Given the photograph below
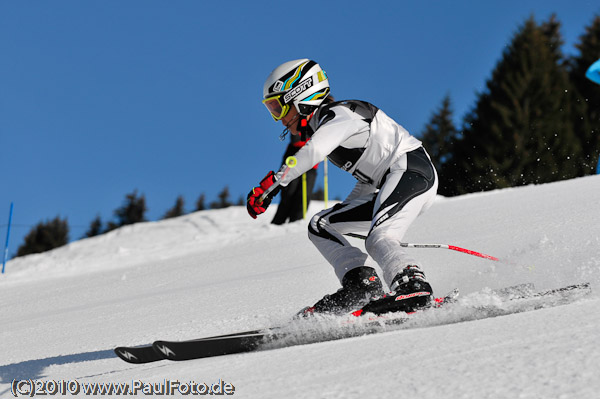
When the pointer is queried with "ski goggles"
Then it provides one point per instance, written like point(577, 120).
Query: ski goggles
point(276, 107)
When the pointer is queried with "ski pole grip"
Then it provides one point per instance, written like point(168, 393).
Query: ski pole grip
point(291, 162)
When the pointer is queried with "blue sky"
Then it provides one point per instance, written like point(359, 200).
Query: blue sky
point(101, 98)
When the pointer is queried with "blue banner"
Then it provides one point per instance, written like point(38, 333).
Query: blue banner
point(593, 72)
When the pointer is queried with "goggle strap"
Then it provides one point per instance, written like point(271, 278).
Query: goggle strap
point(284, 133)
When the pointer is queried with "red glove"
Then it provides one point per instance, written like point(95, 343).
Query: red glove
point(253, 203)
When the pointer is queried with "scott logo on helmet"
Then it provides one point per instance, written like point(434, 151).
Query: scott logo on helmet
point(295, 92)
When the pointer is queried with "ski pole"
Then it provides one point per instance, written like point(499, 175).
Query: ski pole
point(444, 246)
point(290, 162)
point(325, 183)
point(304, 197)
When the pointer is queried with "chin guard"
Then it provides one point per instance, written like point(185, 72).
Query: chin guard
point(302, 126)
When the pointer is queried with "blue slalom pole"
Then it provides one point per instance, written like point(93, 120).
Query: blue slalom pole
point(7, 237)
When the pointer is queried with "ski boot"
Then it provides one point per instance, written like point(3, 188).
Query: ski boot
point(410, 292)
point(359, 285)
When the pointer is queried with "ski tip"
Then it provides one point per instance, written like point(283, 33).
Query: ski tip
point(127, 355)
point(123, 354)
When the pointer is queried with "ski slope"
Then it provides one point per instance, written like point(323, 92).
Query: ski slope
point(219, 271)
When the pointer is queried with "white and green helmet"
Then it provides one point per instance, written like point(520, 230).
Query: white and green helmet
point(302, 83)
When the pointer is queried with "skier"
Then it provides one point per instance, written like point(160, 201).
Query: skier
point(396, 182)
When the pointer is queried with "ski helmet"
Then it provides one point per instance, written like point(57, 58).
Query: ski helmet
point(301, 83)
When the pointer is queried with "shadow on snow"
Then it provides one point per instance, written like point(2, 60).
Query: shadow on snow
point(33, 369)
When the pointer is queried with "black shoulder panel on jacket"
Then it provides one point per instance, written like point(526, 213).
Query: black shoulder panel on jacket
point(364, 109)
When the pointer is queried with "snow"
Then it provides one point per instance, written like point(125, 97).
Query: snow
point(219, 271)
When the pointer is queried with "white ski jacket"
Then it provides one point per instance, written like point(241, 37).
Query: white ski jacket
point(355, 136)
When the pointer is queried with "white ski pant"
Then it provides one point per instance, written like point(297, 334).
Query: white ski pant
point(409, 188)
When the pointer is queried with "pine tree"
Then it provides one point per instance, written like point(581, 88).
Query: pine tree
point(133, 211)
point(45, 236)
point(200, 203)
point(520, 130)
point(95, 228)
point(438, 139)
point(586, 96)
point(177, 210)
point(223, 201)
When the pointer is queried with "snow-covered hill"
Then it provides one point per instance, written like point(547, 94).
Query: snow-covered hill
point(219, 271)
